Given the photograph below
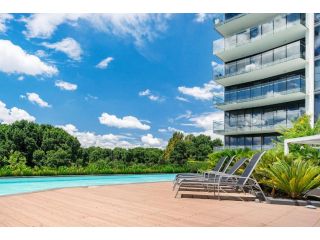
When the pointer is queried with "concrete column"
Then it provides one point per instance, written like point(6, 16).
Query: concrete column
point(309, 71)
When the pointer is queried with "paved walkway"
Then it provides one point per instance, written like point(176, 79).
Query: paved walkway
point(150, 204)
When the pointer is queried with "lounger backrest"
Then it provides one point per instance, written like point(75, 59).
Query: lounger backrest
point(250, 168)
point(219, 164)
point(228, 164)
point(237, 165)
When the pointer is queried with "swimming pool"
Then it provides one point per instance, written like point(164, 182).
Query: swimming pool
point(14, 185)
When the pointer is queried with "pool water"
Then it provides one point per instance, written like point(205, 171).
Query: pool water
point(14, 185)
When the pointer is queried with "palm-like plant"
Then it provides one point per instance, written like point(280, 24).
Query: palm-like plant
point(293, 177)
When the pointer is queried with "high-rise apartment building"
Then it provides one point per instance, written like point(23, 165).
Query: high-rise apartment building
point(271, 74)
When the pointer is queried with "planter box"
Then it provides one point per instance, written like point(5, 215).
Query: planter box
point(285, 201)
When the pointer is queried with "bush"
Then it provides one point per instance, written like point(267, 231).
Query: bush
point(294, 177)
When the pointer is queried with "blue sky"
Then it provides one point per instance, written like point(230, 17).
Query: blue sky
point(111, 80)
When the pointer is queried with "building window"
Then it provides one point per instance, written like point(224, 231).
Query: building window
point(317, 41)
point(317, 76)
point(317, 107)
point(317, 17)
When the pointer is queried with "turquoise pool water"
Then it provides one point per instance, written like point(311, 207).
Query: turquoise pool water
point(14, 185)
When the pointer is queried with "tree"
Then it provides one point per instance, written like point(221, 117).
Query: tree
point(58, 158)
point(39, 157)
point(17, 161)
point(179, 154)
point(176, 137)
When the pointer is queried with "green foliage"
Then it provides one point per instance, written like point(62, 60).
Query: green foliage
point(17, 161)
point(293, 177)
point(176, 137)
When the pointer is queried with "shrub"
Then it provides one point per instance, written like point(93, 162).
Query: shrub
point(293, 177)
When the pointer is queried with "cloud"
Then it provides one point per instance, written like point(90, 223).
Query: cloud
point(36, 99)
point(15, 60)
point(90, 97)
point(218, 68)
point(89, 139)
point(66, 85)
point(69, 46)
point(202, 17)
point(104, 63)
point(21, 78)
point(182, 99)
point(205, 122)
point(170, 129)
point(11, 115)
point(186, 115)
point(40, 53)
point(150, 141)
point(125, 122)
point(204, 93)
point(4, 18)
point(152, 97)
point(140, 28)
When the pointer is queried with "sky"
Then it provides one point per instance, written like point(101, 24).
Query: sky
point(111, 80)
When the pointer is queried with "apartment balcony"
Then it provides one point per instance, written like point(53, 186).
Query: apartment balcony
point(281, 30)
point(253, 147)
point(242, 130)
point(284, 90)
point(275, 62)
point(227, 26)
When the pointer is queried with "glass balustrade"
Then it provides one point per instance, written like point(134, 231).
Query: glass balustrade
point(275, 88)
point(275, 56)
point(254, 33)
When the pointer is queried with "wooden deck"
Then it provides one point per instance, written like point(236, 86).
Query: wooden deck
point(150, 204)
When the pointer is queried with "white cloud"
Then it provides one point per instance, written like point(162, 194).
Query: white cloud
point(205, 122)
point(40, 53)
point(202, 17)
point(21, 78)
point(36, 99)
point(150, 141)
point(170, 129)
point(69, 46)
point(15, 60)
point(66, 85)
point(182, 99)
point(125, 122)
point(4, 18)
point(206, 92)
point(151, 96)
point(90, 97)
point(186, 115)
point(11, 115)
point(88, 139)
point(104, 63)
point(138, 27)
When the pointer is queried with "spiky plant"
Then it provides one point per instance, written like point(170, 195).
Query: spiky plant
point(293, 177)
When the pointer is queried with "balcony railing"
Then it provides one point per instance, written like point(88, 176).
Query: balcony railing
point(223, 18)
point(253, 147)
point(252, 34)
point(273, 57)
point(292, 84)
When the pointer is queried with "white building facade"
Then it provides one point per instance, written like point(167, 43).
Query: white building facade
point(271, 75)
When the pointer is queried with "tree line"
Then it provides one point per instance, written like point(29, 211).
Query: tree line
point(29, 144)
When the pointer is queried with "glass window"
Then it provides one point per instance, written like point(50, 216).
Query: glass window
point(317, 41)
point(279, 23)
point(255, 61)
point(241, 65)
point(256, 118)
point(233, 141)
point(256, 91)
point(294, 83)
point(317, 17)
point(317, 106)
point(280, 86)
point(292, 114)
point(255, 32)
point(267, 140)
point(227, 141)
point(226, 120)
point(267, 117)
point(317, 75)
point(280, 117)
point(240, 141)
point(248, 142)
point(280, 53)
point(256, 141)
point(230, 41)
point(267, 89)
point(293, 18)
point(267, 27)
point(247, 119)
point(241, 122)
point(293, 49)
point(243, 37)
point(231, 68)
point(267, 57)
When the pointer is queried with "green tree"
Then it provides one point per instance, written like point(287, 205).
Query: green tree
point(17, 161)
point(179, 154)
point(58, 158)
point(39, 157)
point(176, 137)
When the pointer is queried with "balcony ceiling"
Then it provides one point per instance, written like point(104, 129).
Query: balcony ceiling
point(268, 41)
point(243, 22)
point(275, 99)
point(264, 72)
